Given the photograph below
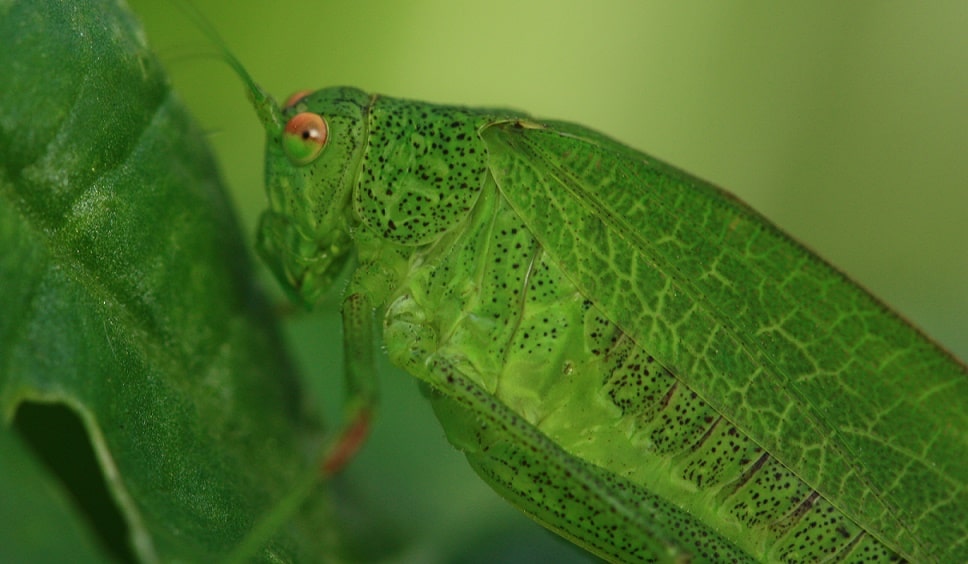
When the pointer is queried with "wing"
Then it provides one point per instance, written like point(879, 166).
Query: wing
point(862, 406)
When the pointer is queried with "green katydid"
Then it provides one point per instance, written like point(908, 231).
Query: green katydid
point(639, 361)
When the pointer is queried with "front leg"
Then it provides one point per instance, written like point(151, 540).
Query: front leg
point(368, 287)
point(361, 385)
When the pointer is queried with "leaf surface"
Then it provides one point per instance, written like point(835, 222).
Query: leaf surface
point(126, 294)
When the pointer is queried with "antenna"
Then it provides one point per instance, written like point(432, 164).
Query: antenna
point(266, 108)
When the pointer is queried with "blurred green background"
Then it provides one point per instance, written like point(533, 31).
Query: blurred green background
point(845, 123)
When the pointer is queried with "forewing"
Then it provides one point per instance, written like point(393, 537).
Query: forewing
point(837, 387)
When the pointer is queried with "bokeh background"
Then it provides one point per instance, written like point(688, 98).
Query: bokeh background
point(845, 123)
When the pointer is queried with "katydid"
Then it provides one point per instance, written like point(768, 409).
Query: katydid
point(636, 359)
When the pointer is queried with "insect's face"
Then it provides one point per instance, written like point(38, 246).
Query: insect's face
point(313, 150)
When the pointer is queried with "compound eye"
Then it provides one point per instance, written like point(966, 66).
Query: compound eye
point(304, 138)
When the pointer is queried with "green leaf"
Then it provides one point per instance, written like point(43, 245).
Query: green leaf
point(55, 535)
point(126, 295)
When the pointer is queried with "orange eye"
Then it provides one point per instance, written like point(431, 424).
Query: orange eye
point(296, 98)
point(304, 137)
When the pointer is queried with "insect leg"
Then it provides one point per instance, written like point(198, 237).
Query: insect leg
point(598, 510)
point(360, 373)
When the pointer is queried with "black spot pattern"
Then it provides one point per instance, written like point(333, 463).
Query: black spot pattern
point(422, 170)
point(752, 487)
point(723, 452)
point(564, 492)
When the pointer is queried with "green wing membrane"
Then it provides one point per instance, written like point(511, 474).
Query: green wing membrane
point(853, 400)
